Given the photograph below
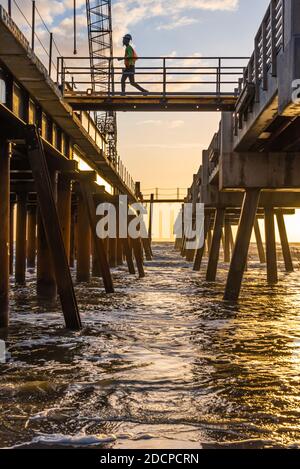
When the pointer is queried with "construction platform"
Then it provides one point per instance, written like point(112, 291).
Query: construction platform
point(151, 102)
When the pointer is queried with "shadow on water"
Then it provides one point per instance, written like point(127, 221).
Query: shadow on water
point(163, 362)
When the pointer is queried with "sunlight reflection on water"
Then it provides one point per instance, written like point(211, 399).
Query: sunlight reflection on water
point(163, 362)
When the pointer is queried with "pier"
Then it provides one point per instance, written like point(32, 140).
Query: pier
point(250, 170)
point(113, 333)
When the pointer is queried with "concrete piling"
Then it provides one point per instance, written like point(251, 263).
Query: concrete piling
point(271, 255)
point(241, 248)
point(215, 246)
point(288, 262)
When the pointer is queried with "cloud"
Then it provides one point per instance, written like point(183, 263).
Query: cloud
point(128, 14)
point(177, 23)
point(175, 124)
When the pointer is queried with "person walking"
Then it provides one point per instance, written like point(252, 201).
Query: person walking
point(129, 70)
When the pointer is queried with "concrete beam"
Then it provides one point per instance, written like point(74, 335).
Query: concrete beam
point(260, 170)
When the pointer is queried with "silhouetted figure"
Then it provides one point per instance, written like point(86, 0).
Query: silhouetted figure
point(129, 70)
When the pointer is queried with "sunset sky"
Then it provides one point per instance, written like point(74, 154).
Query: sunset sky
point(163, 149)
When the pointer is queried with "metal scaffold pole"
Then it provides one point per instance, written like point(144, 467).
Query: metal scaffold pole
point(99, 20)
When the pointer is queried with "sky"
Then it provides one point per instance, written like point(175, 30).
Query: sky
point(161, 149)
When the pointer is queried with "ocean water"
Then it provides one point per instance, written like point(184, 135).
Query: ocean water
point(162, 363)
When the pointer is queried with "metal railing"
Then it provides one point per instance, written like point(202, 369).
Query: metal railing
point(215, 76)
point(269, 41)
point(164, 193)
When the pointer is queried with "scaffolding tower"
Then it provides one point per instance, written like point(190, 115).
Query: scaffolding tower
point(99, 20)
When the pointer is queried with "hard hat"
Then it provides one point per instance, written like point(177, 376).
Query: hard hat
point(128, 36)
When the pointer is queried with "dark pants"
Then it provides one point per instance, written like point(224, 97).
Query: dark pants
point(128, 73)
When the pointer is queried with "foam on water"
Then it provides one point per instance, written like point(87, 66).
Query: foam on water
point(163, 362)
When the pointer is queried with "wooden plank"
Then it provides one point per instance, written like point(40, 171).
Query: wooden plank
point(98, 243)
point(51, 225)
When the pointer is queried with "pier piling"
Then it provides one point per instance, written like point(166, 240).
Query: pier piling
point(215, 246)
point(4, 231)
point(271, 254)
point(20, 265)
point(288, 262)
point(241, 248)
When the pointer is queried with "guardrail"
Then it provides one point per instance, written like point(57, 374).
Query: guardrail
point(269, 41)
point(217, 76)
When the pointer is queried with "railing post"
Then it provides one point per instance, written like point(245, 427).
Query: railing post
point(164, 78)
point(256, 69)
point(9, 7)
point(33, 25)
point(273, 38)
point(264, 56)
point(219, 77)
point(50, 54)
point(112, 76)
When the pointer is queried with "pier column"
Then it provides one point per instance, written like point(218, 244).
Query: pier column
point(138, 254)
point(215, 246)
point(4, 231)
point(112, 252)
point(209, 240)
point(271, 254)
point(31, 236)
point(260, 246)
point(96, 271)
point(20, 267)
point(227, 232)
point(200, 252)
point(64, 201)
point(73, 235)
point(83, 243)
point(284, 242)
point(127, 248)
point(46, 280)
point(241, 248)
point(12, 237)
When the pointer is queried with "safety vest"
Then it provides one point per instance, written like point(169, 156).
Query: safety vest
point(130, 56)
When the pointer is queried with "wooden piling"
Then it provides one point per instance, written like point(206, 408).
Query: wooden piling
point(227, 230)
point(11, 237)
point(241, 248)
point(4, 231)
point(64, 203)
point(128, 255)
point(288, 262)
point(50, 219)
point(112, 252)
point(31, 236)
point(138, 254)
point(73, 235)
point(46, 281)
point(83, 243)
point(271, 255)
point(259, 243)
point(96, 271)
point(20, 263)
point(215, 246)
point(89, 203)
